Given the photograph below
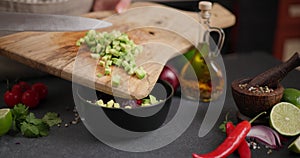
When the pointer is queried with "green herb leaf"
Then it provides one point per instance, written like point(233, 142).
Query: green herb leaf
point(29, 125)
point(43, 129)
point(19, 113)
point(51, 119)
point(33, 127)
point(29, 130)
point(32, 119)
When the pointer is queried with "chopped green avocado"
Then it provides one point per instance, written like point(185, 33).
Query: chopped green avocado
point(107, 71)
point(116, 105)
point(153, 99)
point(113, 48)
point(140, 73)
point(150, 100)
point(115, 80)
point(110, 104)
point(101, 103)
point(99, 75)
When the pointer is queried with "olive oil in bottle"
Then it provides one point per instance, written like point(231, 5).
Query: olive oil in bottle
point(201, 70)
point(196, 77)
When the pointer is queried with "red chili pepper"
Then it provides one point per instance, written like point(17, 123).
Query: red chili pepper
point(231, 143)
point(243, 149)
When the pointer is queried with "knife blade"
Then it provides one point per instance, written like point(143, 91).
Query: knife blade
point(13, 21)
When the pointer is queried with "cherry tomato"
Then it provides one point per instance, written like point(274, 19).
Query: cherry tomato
point(24, 85)
point(17, 89)
point(12, 98)
point(139, 101)
point(30, 98)
point(42, 90)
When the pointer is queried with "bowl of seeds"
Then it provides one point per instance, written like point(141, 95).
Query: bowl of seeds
point(252, 100)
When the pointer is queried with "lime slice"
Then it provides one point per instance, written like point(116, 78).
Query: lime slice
point(285, 119)
point(295, 146)
point(5, 120)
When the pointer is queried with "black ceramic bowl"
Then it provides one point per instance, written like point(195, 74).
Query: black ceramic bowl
point(139, 119)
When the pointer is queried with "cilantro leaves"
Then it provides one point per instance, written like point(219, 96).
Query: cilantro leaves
point(51, 119)
point(29, 125)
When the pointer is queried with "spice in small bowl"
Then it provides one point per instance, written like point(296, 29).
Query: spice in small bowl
point(255, 99)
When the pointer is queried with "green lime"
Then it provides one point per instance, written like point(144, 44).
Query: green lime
point(285, 119)
point(5, 120)
point(291, 95)
point(295, 146)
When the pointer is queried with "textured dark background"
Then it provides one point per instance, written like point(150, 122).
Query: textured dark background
point(255, 24)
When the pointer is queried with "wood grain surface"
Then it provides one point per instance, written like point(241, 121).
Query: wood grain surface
point(220, 16)
point(163, 32)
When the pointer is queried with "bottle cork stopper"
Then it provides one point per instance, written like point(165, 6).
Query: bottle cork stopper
point(205, 8)
point(205, 5)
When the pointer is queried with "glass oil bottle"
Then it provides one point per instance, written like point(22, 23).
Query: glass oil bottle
point(198, 74)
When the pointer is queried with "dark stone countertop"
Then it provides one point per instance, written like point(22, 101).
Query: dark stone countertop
point(76, 140)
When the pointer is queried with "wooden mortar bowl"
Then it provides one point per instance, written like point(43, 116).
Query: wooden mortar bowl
point(251, 104)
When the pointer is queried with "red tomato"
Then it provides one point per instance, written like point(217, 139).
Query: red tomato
point(30, 98)
point(12, 98)
point(24, 85)
point(41, 88)
point(139, 102)
point(17, 89)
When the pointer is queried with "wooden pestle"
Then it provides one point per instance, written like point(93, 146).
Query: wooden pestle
point(273, 76)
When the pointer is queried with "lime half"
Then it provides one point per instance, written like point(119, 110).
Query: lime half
point(285, 119)
point(295, 146)
point(5, 120)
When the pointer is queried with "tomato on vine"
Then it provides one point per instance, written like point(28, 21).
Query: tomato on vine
point(24, 85)
point(41, 89)
point(23, 92)
point(30, 98)
point(12, 98)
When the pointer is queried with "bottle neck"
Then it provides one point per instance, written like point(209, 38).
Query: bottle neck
point(204, 19)
point(204, 33)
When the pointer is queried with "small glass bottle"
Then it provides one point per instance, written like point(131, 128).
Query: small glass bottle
point(198, 73)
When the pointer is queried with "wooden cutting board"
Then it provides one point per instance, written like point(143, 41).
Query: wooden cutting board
point(152, 27)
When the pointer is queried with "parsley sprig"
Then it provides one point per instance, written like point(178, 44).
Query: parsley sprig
point(30, 126)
